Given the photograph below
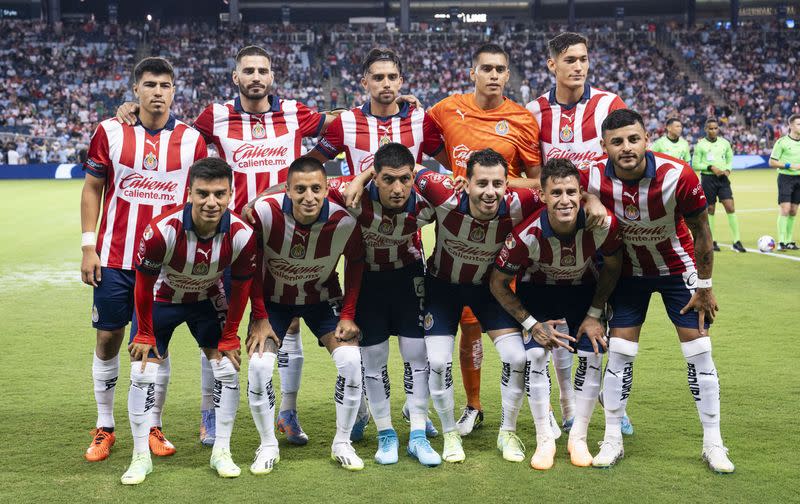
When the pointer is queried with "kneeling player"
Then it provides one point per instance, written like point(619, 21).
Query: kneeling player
point(180, 262)
point(556, 258)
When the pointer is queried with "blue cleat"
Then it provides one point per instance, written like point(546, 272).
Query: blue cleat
point(387, 447)
point(430, 429)
point(289, 425)
point(208, 427)
point(357, 434)
point(627, 426)
point(567, 425)
point(420, 448)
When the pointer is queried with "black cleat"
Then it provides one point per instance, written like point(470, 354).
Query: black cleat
point(738, 247)
point(782, 246)
point(716, 247)
point(792, 246)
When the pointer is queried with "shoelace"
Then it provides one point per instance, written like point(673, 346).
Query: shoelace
point(100, 436)
point(383, 441)
point(514, 436)
point(155, 431)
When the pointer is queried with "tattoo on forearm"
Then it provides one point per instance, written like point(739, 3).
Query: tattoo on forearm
point(510, 301)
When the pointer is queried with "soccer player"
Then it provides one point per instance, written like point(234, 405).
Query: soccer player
point(556, 259)
point(303, 234)
point(135, 172)
point(180, 261)
point(469, 123)
point(658, 201)
point(671, 143)
point(713, 158)
point(786, 158)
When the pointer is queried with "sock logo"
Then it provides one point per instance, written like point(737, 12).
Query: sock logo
point(694, 386)
point(448, 376)
point(505, 374)
point(580, 373)
point(111, 383)
point(408, 378)
point(338, 392)
point(150, 401)
point(216, 394)
point(283, 359)
point(385, 379)
point(627, 380)
point(528, 378)
point(270, 394)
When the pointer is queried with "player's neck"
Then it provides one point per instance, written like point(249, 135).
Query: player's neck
point(203, 229)
point(562, 229)
point(568, 95)
point(153, 121)
point(260, 106)
point(631, 175)
point(795, 137)
point(712, 140)
point(380, 110)
point(485, 102)
point(302, 219)
point(672, 138)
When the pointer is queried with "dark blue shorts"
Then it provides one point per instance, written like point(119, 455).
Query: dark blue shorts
point(553, 302)
point(391, 302)
point(205, 323)
point(631, 298)
point(444, 302)
point(113, 299)
point(322, 318)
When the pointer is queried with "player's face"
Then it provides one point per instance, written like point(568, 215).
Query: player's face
point(490, 74)
point(675, 129)
point(253, 76)
point(571, 67)
point(485, 190)
point(155, 93)
point(209, 199)
point(712, 131)
point(382, 82)
point(626, 147)
point(563, 198)
point(394, 186)
point(307, 192)
point(794, 128)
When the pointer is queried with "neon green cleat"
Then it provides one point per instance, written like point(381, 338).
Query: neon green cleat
point(223, 463)
point(453, 451)
point(141, 466)
point(511, 446)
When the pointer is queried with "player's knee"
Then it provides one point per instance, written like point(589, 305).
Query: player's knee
point(109, 343)
point(260, 368)
point(537, 356)
point(292, 343)
point(348, 363)
point(438, 362)
point(624, 347)
point(562, 358)
point(141, 397)
point(294, 330)
point(224, 370)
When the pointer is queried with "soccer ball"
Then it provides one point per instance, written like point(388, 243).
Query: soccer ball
point(766, 243)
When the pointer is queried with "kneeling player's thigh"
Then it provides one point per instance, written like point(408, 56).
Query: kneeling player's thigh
point(322, 318)
point(113, 299)
point(627, 306)
point(373, 309)
point(443, 306)
point(490, 313)
point(280, 317)
point(204, 323)
point(166, 318)
point(676, 294)
point(407, 308)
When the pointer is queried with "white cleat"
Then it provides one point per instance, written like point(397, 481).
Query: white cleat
point(717, 458)
point(579, 452)
point(470, 420)
point(266, 458)
point(554, 425)
point(222, 462)
point(610, 453)
point(545, 453)
point(141, 466)
point(346, 456)
point(511, 446)
point(453, 450)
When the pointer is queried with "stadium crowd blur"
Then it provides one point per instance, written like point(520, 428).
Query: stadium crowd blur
point(59, 83)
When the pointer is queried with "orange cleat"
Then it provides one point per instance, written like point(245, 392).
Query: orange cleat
point(159, 445)
point(101, 445)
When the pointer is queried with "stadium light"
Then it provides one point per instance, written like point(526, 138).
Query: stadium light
point(149, 18)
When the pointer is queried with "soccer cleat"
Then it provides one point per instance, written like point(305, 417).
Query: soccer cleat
point(289, 425)
point(453, 451)
point(511, 446)
point(387, 447)
point(141, 466)
point(782, 246)
point(715, 247)
point(430, 429)
point(716, 456)
point(344, 454)
point(208, 427)
point(566, 426)
point(626, 426)
point(470, 420)
point(545, 453)
point(792, 246)
point(159, 445)
point(360, 425)
point(610, 453)
point(420, 448)
point(554, 425)
point(579, 452)
point(738, 247)
point(100, 448)
point(266, 458)
point(222, 462)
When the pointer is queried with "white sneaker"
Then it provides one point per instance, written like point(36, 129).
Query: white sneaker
point(222, 462)
point(717, 458)
point(453, 450)
point(346, 456)
point(470, 420)
point(141, 466)
point(610, 453)
point(266, 458)
point(511, 446)
point(554, 425)
point(545, 453)
point(579, 452)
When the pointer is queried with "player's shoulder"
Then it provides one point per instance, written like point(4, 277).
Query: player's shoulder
point(596, 91)
point(112, 124)
point(667, 162)
point(238, 224)
point(531, 225)
point(172, 218)
point(339, 213)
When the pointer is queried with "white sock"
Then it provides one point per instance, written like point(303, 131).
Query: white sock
point(415, 380)
point(512, 377)
point(440, 380)
point(162, 382)
point(104, 376)
point(374, 358)
point(290, 369)
point(206, 383)
point(587, 389)
point(226, 400)
point(141, 397)
point(562, 362)
point(347, 394)
point(537, 386)
point(617, 383)
point(704, 386)
point(261, 396)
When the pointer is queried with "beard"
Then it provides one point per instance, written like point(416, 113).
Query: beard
point(251, 94)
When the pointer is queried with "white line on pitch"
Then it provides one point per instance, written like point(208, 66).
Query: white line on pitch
point(773, 254)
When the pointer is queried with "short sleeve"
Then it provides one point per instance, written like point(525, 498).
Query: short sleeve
point(200, 149)
point(689, 194)
point(332, 142)
point(613, 240)
point(204, 123)
point(432, 141)
point(515, 255)
point(97, 161)
point(617, 104)
point(529, 200)
point(777, 150)
point(336, 188)
point(151, 252)
point(310, 122)
point(434, 187)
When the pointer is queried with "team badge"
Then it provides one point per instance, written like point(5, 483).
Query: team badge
point(427, 322)
point(385, 140)
point(566, 134)
point(510, 241)
point(501, 128)
point(448, 183)
point(477, 234)
point(298, 251)
point(568, 260)
point(386, 227)
point(148, 232)
point(200, 269)
point(632, 212)
point(258, 130)
point(95, 315)
point(150, 161)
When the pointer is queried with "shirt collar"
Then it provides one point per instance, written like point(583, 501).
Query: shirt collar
point(405, 107)
point(547, 230)
point(274, 105)
point(411, 203)
point(224, 225)
point(649, 170)
point(169, 126)
point(587, 93)
point(287, 206)
point(463, 206)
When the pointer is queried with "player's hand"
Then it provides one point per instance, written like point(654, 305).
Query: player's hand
point(247, 213)
point(545, 334)
point(347, 330)
point(596, 213)
point(260, 332)
point(704, 303)
point(235, 356)
point(726, 173)
point(459, 183)
point(127, 113)
point(411, 100)
point(355, 189)
point(140, 352)
point(90, 266)
point(594, 330)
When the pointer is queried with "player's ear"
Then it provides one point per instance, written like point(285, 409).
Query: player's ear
point(603, 145)
point(364, 82)
point(551, 65)
point(235, 76)
point(472, 74)
point(136, 90)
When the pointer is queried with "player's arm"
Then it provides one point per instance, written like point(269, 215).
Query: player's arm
point(353, 191)
point(606, 282)
point(702, 300)
point(242, 271)
point(346, 329)
point(596, 214)
point(149, 260)
point(529, 181)
point(96, 168)
point(128, 113)
point(774, 159)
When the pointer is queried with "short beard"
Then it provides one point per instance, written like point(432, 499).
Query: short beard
point(250, 95)
point(380, 99)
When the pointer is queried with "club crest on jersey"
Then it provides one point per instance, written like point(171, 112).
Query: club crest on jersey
point(632, 212)
point(200, 268)
point(258, 130)
point(477, 234)
point(148, 233)
point(298, 251)
point(568, 260)
point(510, 241)
point(386, 227)
point(566, 134)
point(427, 322)
point(501, 128)
point(385, 140)
point(150, 161)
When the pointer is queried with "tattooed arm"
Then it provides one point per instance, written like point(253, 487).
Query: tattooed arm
point(703, 300)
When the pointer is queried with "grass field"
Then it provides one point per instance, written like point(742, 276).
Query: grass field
point(48, 407)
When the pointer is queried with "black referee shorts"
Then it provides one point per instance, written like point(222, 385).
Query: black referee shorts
point(716, 188)
point(788, 188)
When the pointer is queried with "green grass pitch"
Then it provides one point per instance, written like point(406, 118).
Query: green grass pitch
point(48, 407)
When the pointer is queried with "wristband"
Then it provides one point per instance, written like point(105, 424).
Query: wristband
point(594, 312)
point(788, 166)
point(528, 323)
point(703, 283)
point(88, 238)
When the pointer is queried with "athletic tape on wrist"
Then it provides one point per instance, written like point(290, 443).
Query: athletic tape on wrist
point(594, 312)
point(88, 238)
point(528, 323)
point(703, 283)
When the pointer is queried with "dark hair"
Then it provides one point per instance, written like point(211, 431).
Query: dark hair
point(793, 118)
point(210, 168)
point(488, 49)
point(486, 157)
point(621, 118)
point(559, 168)
point(393, 155)
point(673, 120)
point(381, 54)
point(564, 41)
point(252, 50)
point(711, 120)
point(304, 164)
point(156, 66)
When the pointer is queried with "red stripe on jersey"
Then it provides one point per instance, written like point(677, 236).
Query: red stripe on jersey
point(362, 131)
point(279, 124)
point(289, 294)
point(326, 238)
point(670, 257)
point(277, 231)
point(127, 156)
point(467, 273)
point(174, 155)
point(655, 204)
point(588, 129)
point(235, 128)
point(588, 245)
point(406, 136)
point(545, 252)
point(452, 222)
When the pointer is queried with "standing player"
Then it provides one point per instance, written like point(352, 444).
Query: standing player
point(671, 143)
point(137, 171)
point(658, 201)
point(786, 158)
point(556, 259)
point(180, 261)
point(713, 158)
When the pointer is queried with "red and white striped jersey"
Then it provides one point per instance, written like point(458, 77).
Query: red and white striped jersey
point(190, 268)
point(359, 134)
point(573, 132)
point(651, 213)
point(259, 147)
point(391, 241)
point(466, 247)
point(145, 175)
point(300, 260)
point(534, 251)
